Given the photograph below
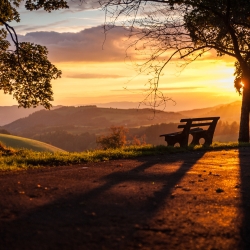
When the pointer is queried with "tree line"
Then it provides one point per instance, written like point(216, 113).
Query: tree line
point(132, 136)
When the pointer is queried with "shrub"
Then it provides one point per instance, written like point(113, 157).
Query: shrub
point(138, 141)
point(116, 139)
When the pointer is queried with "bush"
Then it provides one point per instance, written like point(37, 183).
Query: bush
point(138, 141)
point(116, 139)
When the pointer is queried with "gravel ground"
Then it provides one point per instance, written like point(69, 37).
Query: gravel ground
point(197, 200)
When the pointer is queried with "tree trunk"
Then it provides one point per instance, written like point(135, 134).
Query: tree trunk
point(245, 108)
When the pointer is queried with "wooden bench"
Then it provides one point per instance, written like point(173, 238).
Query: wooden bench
point(192, 126)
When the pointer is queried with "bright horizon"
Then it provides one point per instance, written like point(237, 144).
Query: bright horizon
point(94, 75)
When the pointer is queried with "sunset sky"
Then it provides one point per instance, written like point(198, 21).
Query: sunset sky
point(95, 71)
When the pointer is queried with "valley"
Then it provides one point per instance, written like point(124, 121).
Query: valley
point(76, 128)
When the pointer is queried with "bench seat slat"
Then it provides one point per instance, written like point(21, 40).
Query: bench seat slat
point(171, 134)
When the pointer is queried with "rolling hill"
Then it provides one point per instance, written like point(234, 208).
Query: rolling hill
point(76, 128)
point(198, 112)
point(88, 119)
point(95, 120)
point(21, 142)
point(227, 112)
point(9, 114)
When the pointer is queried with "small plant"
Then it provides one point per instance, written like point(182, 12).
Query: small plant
point(116, 139)
point(5, 150)
point(138, 141)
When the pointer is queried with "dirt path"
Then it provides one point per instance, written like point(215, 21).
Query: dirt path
point(182, 201)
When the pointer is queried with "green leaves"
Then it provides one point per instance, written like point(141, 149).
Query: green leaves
point(47, 5)
point(8, 12)
point(26, 73)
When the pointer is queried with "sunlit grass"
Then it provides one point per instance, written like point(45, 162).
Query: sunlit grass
point(12, 159)
point(21, 142)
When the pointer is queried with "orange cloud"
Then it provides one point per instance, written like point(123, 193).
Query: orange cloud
point(89, 45)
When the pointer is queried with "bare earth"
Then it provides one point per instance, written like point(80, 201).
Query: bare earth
point(197, 200)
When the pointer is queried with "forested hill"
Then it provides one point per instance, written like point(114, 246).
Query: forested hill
point(76, 128)
point(9, 114)
point(227, 112)
point(89, 118)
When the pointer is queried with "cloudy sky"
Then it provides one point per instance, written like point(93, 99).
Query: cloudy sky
point(96, 68)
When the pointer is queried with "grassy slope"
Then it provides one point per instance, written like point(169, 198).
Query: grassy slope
point(25, 159)
point(21, 142)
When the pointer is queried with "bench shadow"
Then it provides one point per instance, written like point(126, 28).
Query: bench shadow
point(244, 156)
point(99, 218)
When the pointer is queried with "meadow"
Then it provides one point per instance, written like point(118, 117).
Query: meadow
point(18, 142)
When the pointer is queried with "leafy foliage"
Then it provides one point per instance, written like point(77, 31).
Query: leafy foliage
point(26, 72)
point(5, 151)
point(239, 77)
point(116, 139)
point(27, 75)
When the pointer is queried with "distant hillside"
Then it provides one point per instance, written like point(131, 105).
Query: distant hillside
point(119, 105)
point(76, 128)
point(227, 112)
point(21, 142)
point(88, 119)
point(125, 105)
point(197, 112)
point(9, 114)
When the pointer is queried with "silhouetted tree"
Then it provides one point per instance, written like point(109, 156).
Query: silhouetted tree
point(186, 29)
point(25, 71)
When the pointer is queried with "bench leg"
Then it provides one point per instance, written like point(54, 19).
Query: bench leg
point(184, 142)
point(197, 136)
point(208, 140)
point(172, 141)
point(196, 140)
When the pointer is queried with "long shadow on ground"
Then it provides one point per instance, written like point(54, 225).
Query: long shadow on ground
point(108, 216)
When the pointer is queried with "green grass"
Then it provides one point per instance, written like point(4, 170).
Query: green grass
point(17, 142)
point(11, 159)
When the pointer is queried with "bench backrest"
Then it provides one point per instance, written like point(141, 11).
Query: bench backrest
point(199, 122)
